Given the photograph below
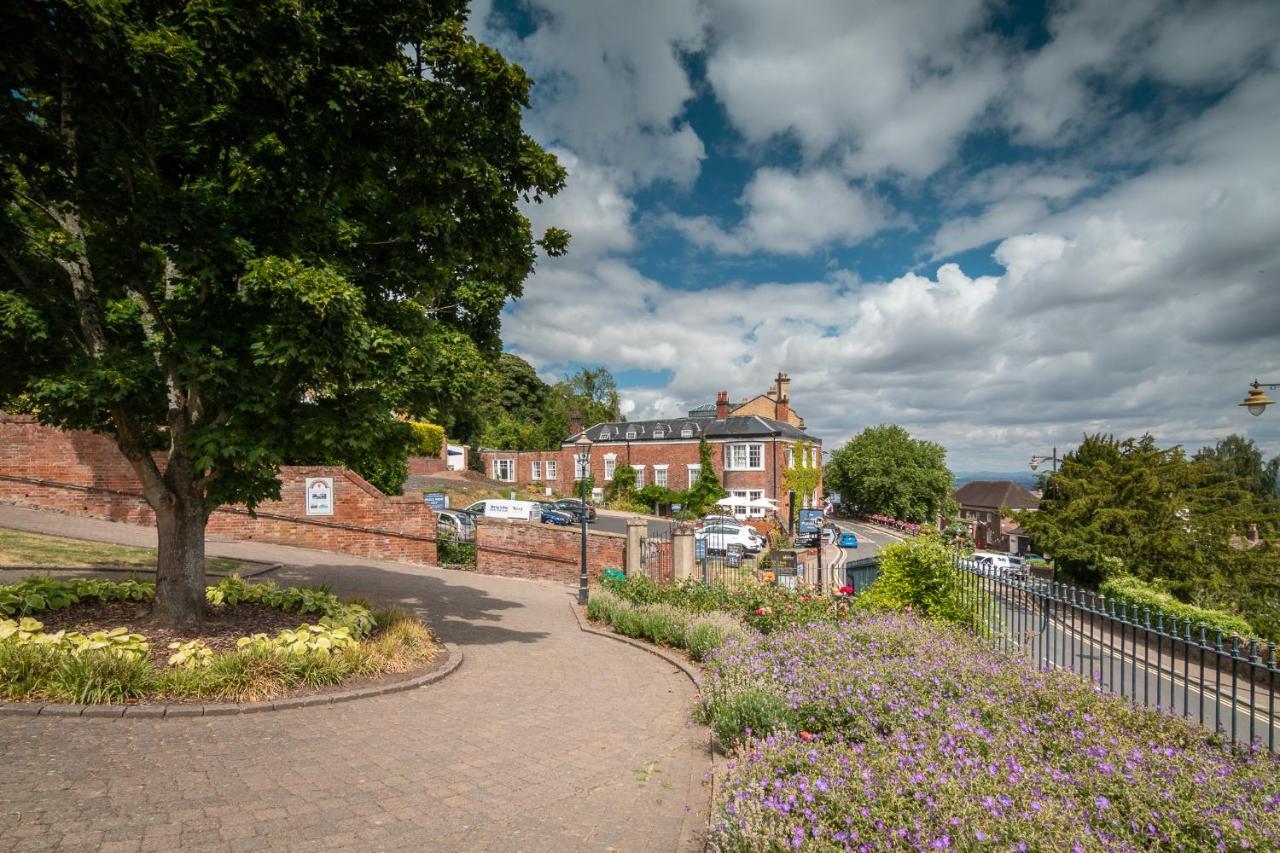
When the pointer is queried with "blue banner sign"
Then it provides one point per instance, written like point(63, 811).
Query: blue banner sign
point(436, 500)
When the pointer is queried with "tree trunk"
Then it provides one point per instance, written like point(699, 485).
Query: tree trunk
point(180, 578)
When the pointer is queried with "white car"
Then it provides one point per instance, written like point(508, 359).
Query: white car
point(719, 536)
point(999, 565)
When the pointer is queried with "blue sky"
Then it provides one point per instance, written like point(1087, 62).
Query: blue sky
point(1001, 225)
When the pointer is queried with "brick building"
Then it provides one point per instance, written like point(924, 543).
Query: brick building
point(983, 508)
point(752, 444)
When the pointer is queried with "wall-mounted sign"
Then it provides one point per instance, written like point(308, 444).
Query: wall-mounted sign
point(319, 496)
point(436, 500)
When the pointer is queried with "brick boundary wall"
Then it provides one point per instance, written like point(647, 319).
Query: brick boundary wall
point(84, 473)
point(528, 550)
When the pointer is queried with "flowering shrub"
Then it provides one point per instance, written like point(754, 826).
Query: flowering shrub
point(763, 606)
point(886, 730)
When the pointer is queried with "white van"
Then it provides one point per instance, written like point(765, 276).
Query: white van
point(512, 510)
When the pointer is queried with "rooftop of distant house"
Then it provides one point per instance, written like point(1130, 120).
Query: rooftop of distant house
point(995, 494)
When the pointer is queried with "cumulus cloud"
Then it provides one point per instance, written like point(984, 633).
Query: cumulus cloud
point(1138, 276)
point(611, 86)
point(888, 86)
point(790, 214)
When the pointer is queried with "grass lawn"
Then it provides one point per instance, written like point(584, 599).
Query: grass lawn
point(33, 549)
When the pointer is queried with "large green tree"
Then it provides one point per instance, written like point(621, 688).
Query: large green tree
point(248, 233)
point(1238, 457)
point(884, 470)
point(1129, 506)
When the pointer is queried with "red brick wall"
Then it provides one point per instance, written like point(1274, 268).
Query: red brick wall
point(543, 551)
point(85, 474)
point(426, 465)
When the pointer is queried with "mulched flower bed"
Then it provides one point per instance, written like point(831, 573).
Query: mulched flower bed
point(222, 626)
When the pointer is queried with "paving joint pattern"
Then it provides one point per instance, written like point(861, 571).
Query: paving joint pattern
point(548, 739)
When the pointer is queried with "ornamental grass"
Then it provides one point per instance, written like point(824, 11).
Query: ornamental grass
point(886, 731)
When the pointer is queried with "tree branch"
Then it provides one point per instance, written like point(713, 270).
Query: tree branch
point(17, 271)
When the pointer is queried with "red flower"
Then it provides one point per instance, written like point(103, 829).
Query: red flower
point(846, 590)
point(762, 611)
point(806, 737)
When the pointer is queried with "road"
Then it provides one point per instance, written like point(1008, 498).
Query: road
point(1130, 662)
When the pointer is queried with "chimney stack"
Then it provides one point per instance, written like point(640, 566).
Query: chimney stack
point(722, 405)
point(782, 402)
point(575, 423)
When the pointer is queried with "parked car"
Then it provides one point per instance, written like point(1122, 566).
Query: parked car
point(459, 524)
point(848, 539)
point(574, 508)
point(512, 510)
point(719, 536)
point(1001, 565)
point(551, 515)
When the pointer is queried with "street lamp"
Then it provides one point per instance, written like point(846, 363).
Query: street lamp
point(1037, 460)
point(1257, 401)
point(584, 465)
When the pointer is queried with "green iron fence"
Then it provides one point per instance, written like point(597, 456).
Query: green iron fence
point(1153, 659)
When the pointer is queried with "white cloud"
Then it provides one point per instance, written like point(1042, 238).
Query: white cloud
point(1124, 302)
point(889, 86)
point(790, 214)
point(610, 84)
point(592, 207)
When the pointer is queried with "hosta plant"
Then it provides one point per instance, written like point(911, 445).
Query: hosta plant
point(302, 640)
point(191, 654)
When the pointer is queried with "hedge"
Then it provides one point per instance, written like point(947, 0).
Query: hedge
point(1128, 590)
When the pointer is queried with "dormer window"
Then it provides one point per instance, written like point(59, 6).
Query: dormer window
point(659, 432)
point(631, 433)
point(604, 433)
point(686, 432)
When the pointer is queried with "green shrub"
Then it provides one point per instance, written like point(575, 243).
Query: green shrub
point(25, 668)
point(428, 438)
point(708, 632)
point(920, 575)
point(755, 712)
point(1130, 591)
point(664, 624)
point(100, 676)
point(450, 552)
point(601, 606)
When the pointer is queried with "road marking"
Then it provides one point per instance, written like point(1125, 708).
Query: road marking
point(1231, 701)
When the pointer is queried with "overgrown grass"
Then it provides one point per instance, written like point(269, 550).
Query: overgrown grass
point(34, 549)
point(665, 624)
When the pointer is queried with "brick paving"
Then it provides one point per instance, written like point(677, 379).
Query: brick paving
point(546, 739)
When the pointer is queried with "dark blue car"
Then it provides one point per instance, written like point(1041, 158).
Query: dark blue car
point(555, 516)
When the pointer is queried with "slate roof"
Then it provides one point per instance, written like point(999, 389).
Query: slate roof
point(995, 494)
point(734, 426)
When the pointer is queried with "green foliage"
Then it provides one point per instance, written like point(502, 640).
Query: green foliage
point(696, 631)
point(884, 470)
point(706, 490)
point(100, 676)
point(754, 711)
point(192, 654)
point(528, 414)
point(305, 639)
point(1132, 592)
point(38, 594)
point(1130, 507)
point(919, 575)
point(802, 476)
point(450, 552)
point(1240, 459)
point(622, 488)
point(229, 259)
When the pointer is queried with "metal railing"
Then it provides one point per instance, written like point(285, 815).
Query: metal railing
point(1155, 660)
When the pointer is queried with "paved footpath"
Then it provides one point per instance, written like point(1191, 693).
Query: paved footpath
point(547, 738)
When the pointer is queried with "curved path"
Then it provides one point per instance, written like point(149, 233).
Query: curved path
point(547, 738)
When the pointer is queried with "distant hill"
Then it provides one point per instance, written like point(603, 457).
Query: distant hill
point(1026, 479)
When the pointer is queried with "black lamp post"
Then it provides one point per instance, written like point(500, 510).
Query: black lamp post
point(584, 466)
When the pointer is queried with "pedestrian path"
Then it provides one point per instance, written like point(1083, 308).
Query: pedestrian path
point(546, 739)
